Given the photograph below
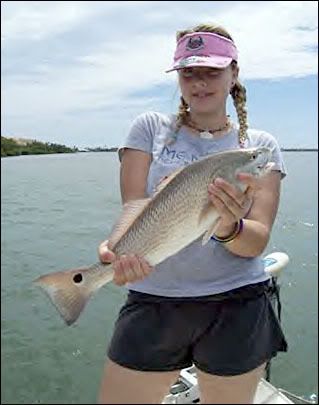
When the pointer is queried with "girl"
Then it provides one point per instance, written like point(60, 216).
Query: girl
point(205, 305)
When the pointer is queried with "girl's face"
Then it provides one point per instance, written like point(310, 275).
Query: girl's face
point(206, 89)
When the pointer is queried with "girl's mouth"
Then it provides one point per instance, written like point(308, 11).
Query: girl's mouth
point(202, 95)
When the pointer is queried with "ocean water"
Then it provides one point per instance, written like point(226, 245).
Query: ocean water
point(56, 209)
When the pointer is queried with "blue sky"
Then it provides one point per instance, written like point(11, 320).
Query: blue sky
point(78, 72)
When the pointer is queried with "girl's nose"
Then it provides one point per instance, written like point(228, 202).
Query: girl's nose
point(200, 83)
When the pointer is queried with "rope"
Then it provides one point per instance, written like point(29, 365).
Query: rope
point(273, 291)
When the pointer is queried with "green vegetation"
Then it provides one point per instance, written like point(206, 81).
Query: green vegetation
point(11, 147)
point(101, 149)
point(20, 146)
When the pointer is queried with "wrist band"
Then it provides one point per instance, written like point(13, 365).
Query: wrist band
point(238, 228)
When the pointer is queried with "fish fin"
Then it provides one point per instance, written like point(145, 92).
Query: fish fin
point(131, 211)
point(70, 290)
point(167, 179)
point(210, 219)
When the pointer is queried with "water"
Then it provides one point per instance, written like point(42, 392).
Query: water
point(55, 211)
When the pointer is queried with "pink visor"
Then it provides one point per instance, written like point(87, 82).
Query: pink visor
point(203, 49)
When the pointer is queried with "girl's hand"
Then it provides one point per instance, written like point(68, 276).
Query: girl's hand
point(231, 203)
point(127, 268)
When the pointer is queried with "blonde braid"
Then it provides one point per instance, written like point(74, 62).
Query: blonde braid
point(182, 114)
point(238, 93)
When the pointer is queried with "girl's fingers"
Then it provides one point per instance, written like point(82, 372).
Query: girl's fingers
point(249, 180)
point(105, 254)
point(119, 276)
point(229, 203)
point(129, 268)
point(249, 192)
point(126, 269)
point(135, 268)
point(237, 202)
point(231, 190)
point(226, 214)
point(248, 199)
point(146, 268)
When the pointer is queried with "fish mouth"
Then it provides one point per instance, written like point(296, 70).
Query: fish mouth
point(265, 168)
point(268, 166)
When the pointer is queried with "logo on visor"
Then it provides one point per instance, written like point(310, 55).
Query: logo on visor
point(195, 43)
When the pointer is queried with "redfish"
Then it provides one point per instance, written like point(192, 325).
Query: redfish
point(158, 227)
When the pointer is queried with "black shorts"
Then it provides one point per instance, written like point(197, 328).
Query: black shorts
point(224, 334)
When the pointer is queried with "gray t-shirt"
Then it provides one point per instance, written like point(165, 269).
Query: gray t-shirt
point(196, 270)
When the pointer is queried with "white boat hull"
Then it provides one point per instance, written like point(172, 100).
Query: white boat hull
point(186, 391)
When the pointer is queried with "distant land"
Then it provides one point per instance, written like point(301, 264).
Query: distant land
point(14, 146)
point(99, 149)
point(299, 149)
point(23, 146)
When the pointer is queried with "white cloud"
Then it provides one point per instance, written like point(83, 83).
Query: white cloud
point(100, 79)
point(275, 39)
point(39, 20)
point(132, 46)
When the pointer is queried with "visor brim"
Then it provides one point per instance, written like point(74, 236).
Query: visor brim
point(216, 61)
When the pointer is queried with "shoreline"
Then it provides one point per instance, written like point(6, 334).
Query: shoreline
point(298, 150)
point(115, 150)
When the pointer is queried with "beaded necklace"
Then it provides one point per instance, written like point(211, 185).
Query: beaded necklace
point(210, 133)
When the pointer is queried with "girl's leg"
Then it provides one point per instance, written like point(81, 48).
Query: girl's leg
point(121, 385)
point(239, 389)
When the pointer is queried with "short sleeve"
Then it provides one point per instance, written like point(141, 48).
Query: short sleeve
point(262, 138)
point(140, 135)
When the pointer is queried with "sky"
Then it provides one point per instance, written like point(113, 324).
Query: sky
point(78, 72)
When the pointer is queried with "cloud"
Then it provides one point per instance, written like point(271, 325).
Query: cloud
point(275, 39)
point(39, 20)
point(60, 58)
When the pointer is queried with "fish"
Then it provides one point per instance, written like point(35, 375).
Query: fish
point(158, 226)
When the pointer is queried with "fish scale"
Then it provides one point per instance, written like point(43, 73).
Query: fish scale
point(181, 205)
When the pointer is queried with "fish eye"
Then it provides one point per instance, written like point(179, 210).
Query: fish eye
point(254, 156)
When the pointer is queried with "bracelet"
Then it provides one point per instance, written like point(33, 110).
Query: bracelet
point(238, 228)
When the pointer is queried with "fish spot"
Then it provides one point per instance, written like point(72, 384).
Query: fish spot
point(78, 278)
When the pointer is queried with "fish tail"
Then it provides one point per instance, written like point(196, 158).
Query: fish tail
point(70, 290)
